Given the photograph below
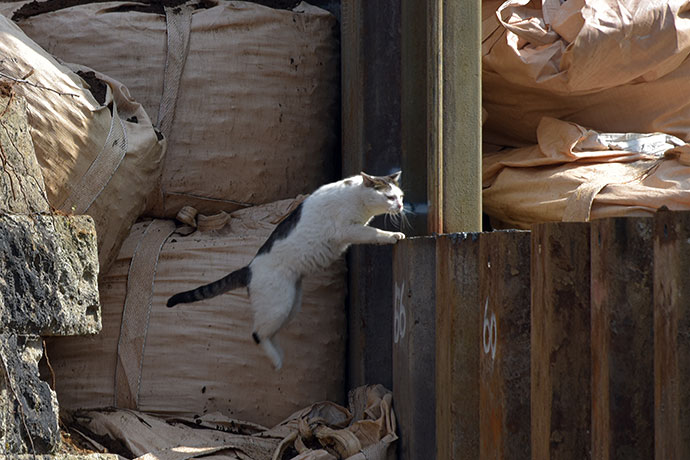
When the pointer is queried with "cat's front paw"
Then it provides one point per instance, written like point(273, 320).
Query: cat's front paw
point(397, 236)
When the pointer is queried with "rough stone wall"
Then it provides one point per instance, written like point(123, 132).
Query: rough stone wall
point(48, 286)
point(25, 398)
point(49, 269)
point(22, 190)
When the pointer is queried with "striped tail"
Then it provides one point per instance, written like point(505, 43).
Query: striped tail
point(237, 279)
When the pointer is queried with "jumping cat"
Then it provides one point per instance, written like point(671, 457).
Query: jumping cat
point(309, 239)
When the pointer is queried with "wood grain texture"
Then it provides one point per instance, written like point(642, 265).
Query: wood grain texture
point(561, 348)
point(457, 343)
point(622, 339)
point(671, 339)
point(414, 346)
point(371, 142)
point(504, 363)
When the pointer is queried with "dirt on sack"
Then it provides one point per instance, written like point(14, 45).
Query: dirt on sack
point(97, 87)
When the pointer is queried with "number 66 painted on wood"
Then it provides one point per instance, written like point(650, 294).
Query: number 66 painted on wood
point(489, 332)
point(399, 315)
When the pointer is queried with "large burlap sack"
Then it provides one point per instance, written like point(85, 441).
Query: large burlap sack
point(577, 174)
point(256, 109)
point(200, 357)
point(610, 65)
point(97, 157)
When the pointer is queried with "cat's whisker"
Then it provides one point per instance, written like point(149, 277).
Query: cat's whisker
point(404, 222)
point(394, 218)
point(386, 218)
point(407, 209)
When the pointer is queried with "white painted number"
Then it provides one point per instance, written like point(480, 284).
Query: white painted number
point(489, 332)
point(399, 316)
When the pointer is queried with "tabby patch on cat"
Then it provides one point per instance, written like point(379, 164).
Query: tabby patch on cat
point(309, 239)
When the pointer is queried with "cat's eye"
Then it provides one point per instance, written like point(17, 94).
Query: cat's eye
point(391, 197)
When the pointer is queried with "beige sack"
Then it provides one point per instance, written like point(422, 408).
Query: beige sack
point(198, 358)
point(93, 162)
point(576, 174)
point(256, 110)
point(614, 66)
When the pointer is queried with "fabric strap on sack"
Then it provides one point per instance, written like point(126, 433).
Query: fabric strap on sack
point(136, 311)
point(101, 170)
point(178, 22)
point(578, 207)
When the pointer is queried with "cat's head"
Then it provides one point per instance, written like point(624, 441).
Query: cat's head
point(383, 193)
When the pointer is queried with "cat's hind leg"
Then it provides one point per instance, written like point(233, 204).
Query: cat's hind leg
point(296, 301)
point(273, 303)
point(273, 351)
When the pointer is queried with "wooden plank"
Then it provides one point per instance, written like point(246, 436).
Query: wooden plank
point(504, 364)
point(561, 349)
point(622, 340)
point(414, 276)
point(370, 316)
point(371, 94)
point(414, 111)
point(671, 340)
point(371, 133)
point(457, 341)
point(454, 116)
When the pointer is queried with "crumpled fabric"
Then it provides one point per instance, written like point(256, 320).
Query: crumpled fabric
point(365, 430)
point(578, 174)
point(610, 65)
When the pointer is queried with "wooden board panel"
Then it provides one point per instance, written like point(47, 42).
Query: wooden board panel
point(454, 117)
point(414, 346)
point(458, 340)
point(622, 340)
point(371, 91)
point(504, 363)
point(671, 338)
point(371, 142)
point(370, 316)
point(561, 349)
point(415, 158)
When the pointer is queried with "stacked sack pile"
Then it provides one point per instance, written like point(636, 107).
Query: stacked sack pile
point(243, 99)
point(588, 107)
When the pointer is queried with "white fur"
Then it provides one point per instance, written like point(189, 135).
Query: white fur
point(335, 216)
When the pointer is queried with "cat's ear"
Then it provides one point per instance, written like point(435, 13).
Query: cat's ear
point(367, 180)
point(395, 177)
